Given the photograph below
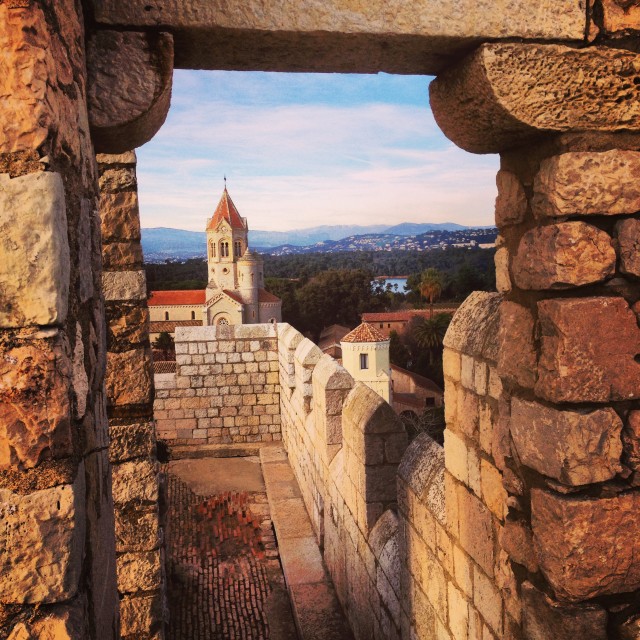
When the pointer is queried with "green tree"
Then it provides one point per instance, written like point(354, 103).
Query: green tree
point(431, 286)
point(398, 352)
point(429, 333)
point(164, 342)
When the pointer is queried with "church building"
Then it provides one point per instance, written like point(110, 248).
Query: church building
point(235, 292)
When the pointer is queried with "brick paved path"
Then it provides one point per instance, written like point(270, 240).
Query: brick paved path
point(222, 564)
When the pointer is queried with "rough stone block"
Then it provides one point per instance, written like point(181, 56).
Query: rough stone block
point(588, 350)
point(511, 203)
point(559, 256)
point(475, 529)
point(544, 618)
point(493, 492)
point(120, 217)
point(135, 481)
point(516, 363)
point(588, 183)
point(574, 447)
point(503, 278)
point(516, 538)
point(118, 178)
point(121, 255)
point(587, 547)
point(129, 377)
point(136, 440)
point(136, 528)
point(627, 233)
point(479, 103)
point(35, 420)
point(35, 266)
point(631, 440)
point(140, 615)
point(41, 543)
point(124, 285)
point(138, 571)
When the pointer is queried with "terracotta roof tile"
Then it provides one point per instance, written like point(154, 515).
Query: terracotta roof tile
point(233, 295)
point(226, 210)
point(364, 333)
point(181, 296)
point(265, 296)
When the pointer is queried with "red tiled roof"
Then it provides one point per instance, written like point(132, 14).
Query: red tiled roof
point(164, 366)
point(233, 295)
point(181, 296)
point(158, 326)
point(420, 381)
point(406, 315)
point(364, 333)
point(265, 296)
point(410, 399)
point(226, 210)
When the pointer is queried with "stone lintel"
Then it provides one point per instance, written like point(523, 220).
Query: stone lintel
point(504, 95)
point(364, 37)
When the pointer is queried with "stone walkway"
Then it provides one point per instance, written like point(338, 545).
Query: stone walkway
point(224, 577)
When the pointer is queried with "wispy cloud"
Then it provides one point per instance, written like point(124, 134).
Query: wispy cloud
point(302, 158)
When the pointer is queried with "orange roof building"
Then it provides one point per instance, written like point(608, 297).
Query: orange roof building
point(235, 292)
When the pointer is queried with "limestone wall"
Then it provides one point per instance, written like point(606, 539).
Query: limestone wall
point(137, 482)
point(225, 389)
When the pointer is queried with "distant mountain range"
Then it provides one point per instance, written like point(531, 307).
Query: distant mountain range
point(161, 243)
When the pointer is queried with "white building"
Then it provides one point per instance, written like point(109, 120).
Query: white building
point(365, 355)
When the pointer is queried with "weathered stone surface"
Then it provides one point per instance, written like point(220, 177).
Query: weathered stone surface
point(111, 159)
point(129, 87)
point(516, 539)
point(503, 279)
point(588, 183)
point(511, 203)
point(544, 619)
point(118, 179)
point(41, 543)
point(559, 256)
point(587, 547)
point(41, 82)
point(79, 377)
point(129, 378)
point(571, 446)
point(135, 481)
point(503, 95)
point(121, 255)
point(142, 614)
point(587, 352)
point(138, 571)
point(516, 356)
point(34, 270)
point(620, 15)
point(35, 420)
point(63, 622)
point(127, 324)
point(631, 440)
point(628, 236)
point(124, 285)
point(127, 441)
point(471, 330)
point(120, 216)
point(406, 37)
point(136, 529)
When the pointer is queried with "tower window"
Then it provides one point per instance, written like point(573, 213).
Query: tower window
point(224, 249)
point(238, 248)
point(166, 315)
point(364, 360)
point(193, 315)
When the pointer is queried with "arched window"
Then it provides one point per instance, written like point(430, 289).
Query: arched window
point(224, 249)
point(193, 315)
point(238, 249)
point(166, 315)
point(223, 321)
point(213, 249)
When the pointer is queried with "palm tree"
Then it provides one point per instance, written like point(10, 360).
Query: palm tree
point(431, 286)
point(429, 333)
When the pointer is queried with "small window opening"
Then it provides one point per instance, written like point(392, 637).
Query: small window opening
point(166, 315)
point(364, 360)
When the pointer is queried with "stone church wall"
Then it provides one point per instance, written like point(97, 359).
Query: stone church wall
point(225, 389)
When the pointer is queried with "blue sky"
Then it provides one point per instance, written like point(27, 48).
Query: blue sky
point(302, 150)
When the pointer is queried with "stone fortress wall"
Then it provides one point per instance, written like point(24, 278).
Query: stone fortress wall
point(553, 88)
point(225, 389)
